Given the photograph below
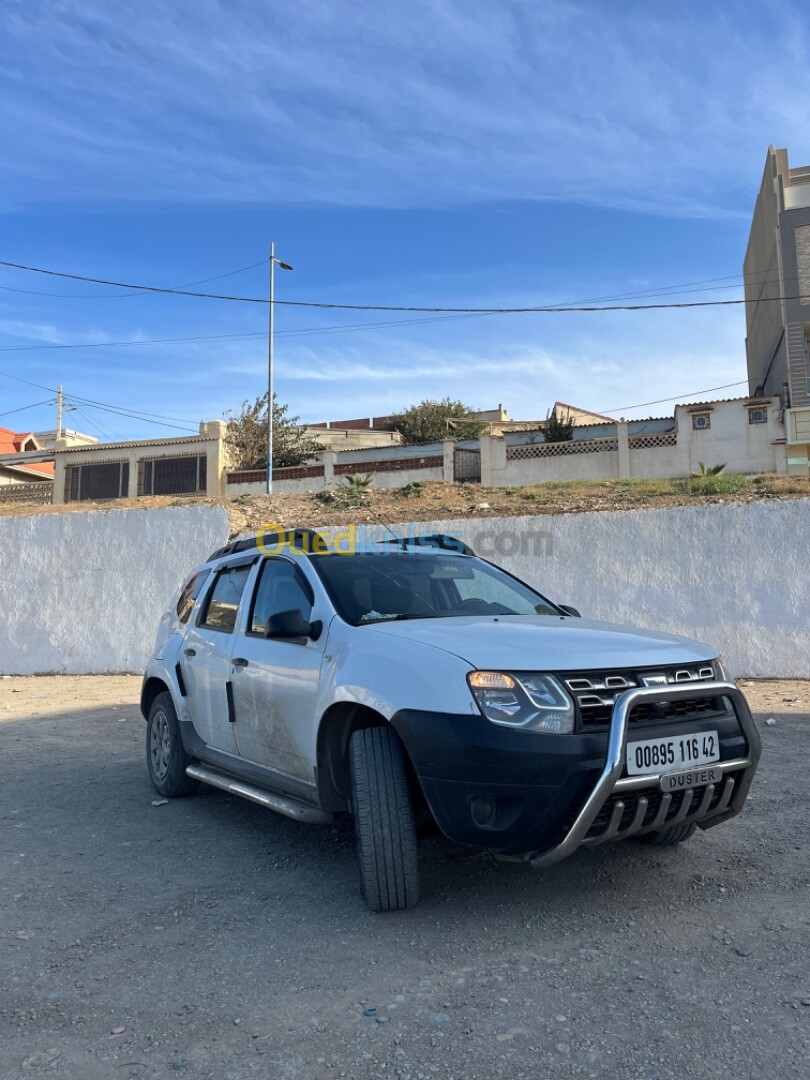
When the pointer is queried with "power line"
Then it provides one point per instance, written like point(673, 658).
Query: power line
point(16, 378)
point(316, 330)
point(144, 418)
point(22, 408)
point(547, 309)
point(104, 431)
point(118, 344)
point(131, 412)
point(136, 291)
point(675, 397)
point(147, 417)
point(223, 337)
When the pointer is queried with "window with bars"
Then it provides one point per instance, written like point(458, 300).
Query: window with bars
point(757, 416)
point(185, 475)
point(107, 480)
point(701, 422)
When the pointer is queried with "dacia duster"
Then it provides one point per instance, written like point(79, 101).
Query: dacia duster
point(410, 679)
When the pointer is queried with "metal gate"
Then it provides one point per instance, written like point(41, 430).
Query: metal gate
point(467, 466)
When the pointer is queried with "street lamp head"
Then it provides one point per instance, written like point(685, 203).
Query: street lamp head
point(283, 265)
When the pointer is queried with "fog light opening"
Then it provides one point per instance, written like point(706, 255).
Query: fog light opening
point(483, 811)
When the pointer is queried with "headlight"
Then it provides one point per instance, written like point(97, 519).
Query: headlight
point(721, 671)
point(527, 701)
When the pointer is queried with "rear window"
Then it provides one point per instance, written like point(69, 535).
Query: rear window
point(188, 597)
point(224, 599)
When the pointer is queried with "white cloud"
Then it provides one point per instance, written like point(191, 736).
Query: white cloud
point(397, 104)
point(603, 362)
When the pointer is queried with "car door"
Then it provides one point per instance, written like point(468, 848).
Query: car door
point(275, 683)
point(206, 656)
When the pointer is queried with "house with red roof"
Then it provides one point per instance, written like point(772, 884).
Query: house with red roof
point(22, 443)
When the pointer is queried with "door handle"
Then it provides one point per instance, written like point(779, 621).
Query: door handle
point(239, 661)
point(190, 652)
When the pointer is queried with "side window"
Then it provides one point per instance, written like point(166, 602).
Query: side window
point(280, 588)
point(223, 600)
point(188, 597)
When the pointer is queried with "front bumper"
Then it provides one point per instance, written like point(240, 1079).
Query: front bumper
point(515, 792)
point(701, 805)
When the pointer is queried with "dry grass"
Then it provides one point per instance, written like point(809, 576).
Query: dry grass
point(438, 501)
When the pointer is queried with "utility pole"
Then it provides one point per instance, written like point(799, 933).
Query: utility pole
point(270, 341)
point(59, 412)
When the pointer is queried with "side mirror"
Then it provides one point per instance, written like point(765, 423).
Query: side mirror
point(570, 610)
point(292, 626)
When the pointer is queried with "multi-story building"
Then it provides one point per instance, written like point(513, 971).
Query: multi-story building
point(777, 300)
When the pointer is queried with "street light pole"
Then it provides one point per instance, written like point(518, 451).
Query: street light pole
point(59, 412)
point(270, 341)
point(270, 370)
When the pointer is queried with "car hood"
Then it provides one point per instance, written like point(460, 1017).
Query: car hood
point(547, 643)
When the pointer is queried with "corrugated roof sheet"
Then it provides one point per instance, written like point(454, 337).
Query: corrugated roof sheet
point(100, 447)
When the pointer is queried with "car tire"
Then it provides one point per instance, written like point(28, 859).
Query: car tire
point(166, 758)
point(384, 821)
point(670, 837)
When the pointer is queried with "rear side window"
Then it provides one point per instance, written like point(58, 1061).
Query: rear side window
point(223, 600)
point(188, 597)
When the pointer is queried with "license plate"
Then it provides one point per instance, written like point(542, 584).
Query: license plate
point(680, 781)
point(675, 753)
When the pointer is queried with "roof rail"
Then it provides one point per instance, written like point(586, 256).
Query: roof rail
point(442, 541)
point(300, 538)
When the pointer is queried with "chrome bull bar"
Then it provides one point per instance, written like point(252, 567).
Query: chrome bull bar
point(733, 794)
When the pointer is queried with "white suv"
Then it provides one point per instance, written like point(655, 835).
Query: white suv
point(410, 680)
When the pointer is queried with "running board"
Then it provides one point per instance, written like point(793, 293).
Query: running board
point(282, 804)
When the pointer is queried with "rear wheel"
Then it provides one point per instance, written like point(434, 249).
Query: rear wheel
point(166, 758)
point(669, 837)
point(384, 820)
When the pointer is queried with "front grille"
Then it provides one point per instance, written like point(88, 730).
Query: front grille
point(595, 694)
point(721, 792)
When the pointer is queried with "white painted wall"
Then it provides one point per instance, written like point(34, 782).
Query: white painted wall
point(730, 440)
point(400, 477)
point(734, 576)
point(523, 472)
point(300, 486)
point(82, 593)
point(380, 480)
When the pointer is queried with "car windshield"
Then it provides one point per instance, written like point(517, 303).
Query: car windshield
point(375, 587)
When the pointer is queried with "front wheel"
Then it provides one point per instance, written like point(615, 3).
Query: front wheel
point(166, 758)
point(384, 821)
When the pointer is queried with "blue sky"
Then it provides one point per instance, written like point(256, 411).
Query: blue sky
point(441, 152)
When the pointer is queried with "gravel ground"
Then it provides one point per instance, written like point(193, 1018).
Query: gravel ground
point(211, 938)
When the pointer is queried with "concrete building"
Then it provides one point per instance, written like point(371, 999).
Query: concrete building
point(331, 437)
point(777, 300)
point(194, 465)
point(47, 439)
